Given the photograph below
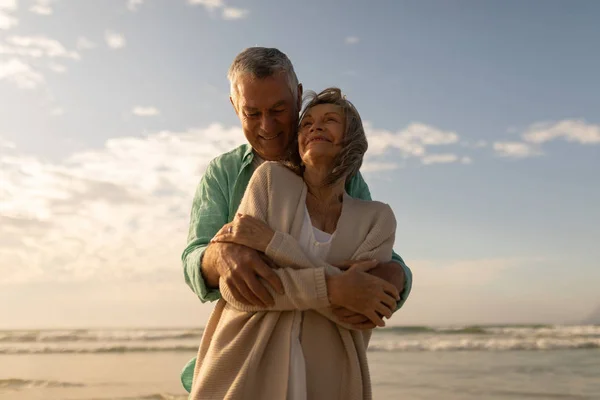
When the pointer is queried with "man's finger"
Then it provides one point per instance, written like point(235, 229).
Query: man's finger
point(270, 276)
point(247, 292)
point(238, 296)
point(270, 263)
point(258, 288)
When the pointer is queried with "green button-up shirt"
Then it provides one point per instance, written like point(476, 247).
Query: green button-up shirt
point(216, 201)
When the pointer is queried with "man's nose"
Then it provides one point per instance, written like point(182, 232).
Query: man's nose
point(268, 124)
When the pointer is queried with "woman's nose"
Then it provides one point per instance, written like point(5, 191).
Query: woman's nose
point(316, 126)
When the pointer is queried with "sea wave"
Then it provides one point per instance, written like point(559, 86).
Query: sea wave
point(377, 344)
point(96, 350)
point(57, 336)
point(14, 383)
point(483, 344)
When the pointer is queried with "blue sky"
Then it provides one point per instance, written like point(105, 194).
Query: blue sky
point(482, 119)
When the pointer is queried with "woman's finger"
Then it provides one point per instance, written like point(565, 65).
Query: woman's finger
point(364, 326)
point(389, 302)
point(355, 319)
point(343, 312)
point(390, 289)
point(376, 319)
point(383, 310)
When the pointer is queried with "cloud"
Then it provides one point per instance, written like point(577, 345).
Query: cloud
point(230, 13)
point(439, 159)
point(58, 68)
point(537, 134)
point(352, 40)
point(21, 74)
point(115, 213)
point(570, 130)
point(516, 149)
point(7, 21)
point(145, 111)
point(84, 43)
point(57, 112)
point(36, 47)
point(114, 40)
point(42, 7)
point(133, 5)
point(411, 142)
point(208, 4)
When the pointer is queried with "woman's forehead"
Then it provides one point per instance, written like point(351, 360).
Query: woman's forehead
point(322, 109)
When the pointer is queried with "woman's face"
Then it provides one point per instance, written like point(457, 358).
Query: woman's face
point(321, 134)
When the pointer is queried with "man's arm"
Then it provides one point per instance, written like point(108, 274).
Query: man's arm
point(399, 277)
point(209, 213)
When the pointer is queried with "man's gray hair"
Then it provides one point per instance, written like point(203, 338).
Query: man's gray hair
point(262, 62)
point(354, 145)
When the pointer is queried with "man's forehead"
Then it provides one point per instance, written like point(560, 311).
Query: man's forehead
point(262, 92)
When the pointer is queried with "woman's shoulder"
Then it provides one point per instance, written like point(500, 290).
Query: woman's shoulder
point(374, 210)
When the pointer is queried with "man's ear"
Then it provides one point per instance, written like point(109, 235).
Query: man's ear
point(299, 99)
point(233, 103)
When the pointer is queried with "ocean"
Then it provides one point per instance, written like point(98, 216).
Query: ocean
point(472, 362)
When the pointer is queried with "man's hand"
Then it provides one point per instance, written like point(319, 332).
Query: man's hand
point(240, 267)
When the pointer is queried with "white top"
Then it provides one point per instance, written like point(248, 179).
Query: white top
point(316, 244)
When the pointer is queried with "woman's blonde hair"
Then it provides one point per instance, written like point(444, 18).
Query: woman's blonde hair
point(354, 144)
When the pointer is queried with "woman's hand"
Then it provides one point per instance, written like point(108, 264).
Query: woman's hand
point(245, 230)
point(358, 291)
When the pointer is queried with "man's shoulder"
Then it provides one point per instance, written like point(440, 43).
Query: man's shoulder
point(233, 157)
point(277, 172)
point(228, 163)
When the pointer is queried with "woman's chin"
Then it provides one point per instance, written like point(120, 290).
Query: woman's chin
point(318, 160)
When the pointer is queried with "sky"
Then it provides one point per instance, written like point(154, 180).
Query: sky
point(483, 121)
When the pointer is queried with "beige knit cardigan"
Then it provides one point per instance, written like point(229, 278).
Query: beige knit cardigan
point(245, 350)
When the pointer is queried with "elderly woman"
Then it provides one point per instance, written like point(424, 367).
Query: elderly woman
point(298, 214)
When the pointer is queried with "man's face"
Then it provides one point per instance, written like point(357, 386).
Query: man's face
point(268, 112)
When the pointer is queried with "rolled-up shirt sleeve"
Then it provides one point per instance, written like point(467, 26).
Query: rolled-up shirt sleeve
point(209, 213)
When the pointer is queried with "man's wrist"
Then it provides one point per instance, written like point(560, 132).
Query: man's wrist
point(208, 268)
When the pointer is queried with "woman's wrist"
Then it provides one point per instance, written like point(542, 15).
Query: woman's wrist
point(333, 288)
point(266, 239)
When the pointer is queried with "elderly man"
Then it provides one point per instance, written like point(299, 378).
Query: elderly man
point(267, 98)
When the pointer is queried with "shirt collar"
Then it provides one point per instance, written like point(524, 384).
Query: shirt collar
point(248, 154)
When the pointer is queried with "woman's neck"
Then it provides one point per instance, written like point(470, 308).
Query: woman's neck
point(315, 179)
